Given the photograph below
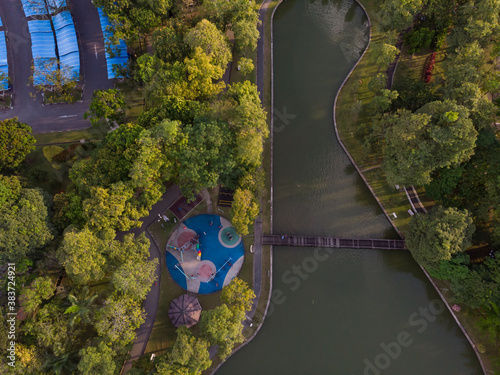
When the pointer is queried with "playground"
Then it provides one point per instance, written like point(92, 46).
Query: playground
point(204, 253)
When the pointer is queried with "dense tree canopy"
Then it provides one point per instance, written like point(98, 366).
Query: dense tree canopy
point(439, 234)
point(16, 142)
point(24, 219)
point(223, 327)
point(189, 355)
point(97, 360)
point(106, 106)
point(212, 42)
point(438, 135)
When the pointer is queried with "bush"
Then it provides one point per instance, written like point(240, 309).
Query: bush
point(37, 175)
point(417, 39)
point(50, 152)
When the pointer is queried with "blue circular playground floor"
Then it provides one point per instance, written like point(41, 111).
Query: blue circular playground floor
point(221, 254)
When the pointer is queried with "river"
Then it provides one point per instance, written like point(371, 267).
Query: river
point(342, 311)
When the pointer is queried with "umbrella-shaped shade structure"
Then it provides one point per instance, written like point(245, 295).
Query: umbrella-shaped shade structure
point(184, 310)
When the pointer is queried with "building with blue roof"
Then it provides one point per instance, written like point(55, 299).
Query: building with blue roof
point(4, 66)
point(120, 56)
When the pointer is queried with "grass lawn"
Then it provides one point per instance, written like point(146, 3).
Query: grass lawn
point(94, 132)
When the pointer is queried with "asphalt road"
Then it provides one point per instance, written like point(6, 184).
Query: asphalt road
point(27, 104)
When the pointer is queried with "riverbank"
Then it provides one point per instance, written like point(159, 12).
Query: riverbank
point(348, 113)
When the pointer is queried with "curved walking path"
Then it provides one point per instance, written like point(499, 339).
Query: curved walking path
point(153, 297)
point(375, 196)
point(28, 105)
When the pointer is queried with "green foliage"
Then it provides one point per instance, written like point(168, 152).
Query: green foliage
point(382, 102)
point(203, 157)
point(97, 360)
point(455, 269)
point(418, 143)
point(111, 208)
point(439, 234)
point(60, 77)
point(420, 38)
point(82, 307)
point(443, 184)
point(245, 66)
point(244, 210)
point(135, 278)
point(81, 255)
point(50, 328)
point(16, 142)
point(246, 34)
point(168, 42)
point(50, 152)
point(464, 65)
point(383, 54)
point(398, 14)
point(106, 106)
point(212, 42)
point(41, 289)
point(24, 221)
point(132, 17)
point(118, 319)
point(223, 327)
point(189, 356)
point(413, 94)
point(238, 296)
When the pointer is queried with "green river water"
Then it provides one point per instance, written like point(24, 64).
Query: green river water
point(343, 311)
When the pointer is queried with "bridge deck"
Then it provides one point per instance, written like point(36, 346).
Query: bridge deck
point(354, 243)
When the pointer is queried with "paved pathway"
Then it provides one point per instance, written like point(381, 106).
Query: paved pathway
point(151, 302)
point(28, 106)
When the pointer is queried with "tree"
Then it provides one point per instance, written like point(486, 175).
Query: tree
point(418, 39)
point(382, 102)
point(131, 248)
point(81, 308)
point(244, 210)
point(203, 156)
point(106, 106)
point(134, 278)
point(383, 54)
point(81, 255)
point(439, 234)
point(50, 327)
point(245, 66)
point(398, 14)
point(464, 65)
point(228, 13)
point(118, 319)
point(213, 43)
point(238, 296)
point(16, 142)
point(97, 360)
point(168, 41)
point(223, 327)
point(438, 135)
point(189, 355)
point(246, 34)
point(406, 152)
point(24, 220)
point(41, 289)
point(111, 208)
point(61, 78)
point(201, 74)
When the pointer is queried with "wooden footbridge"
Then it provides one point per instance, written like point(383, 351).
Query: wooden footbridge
point(353, 243)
